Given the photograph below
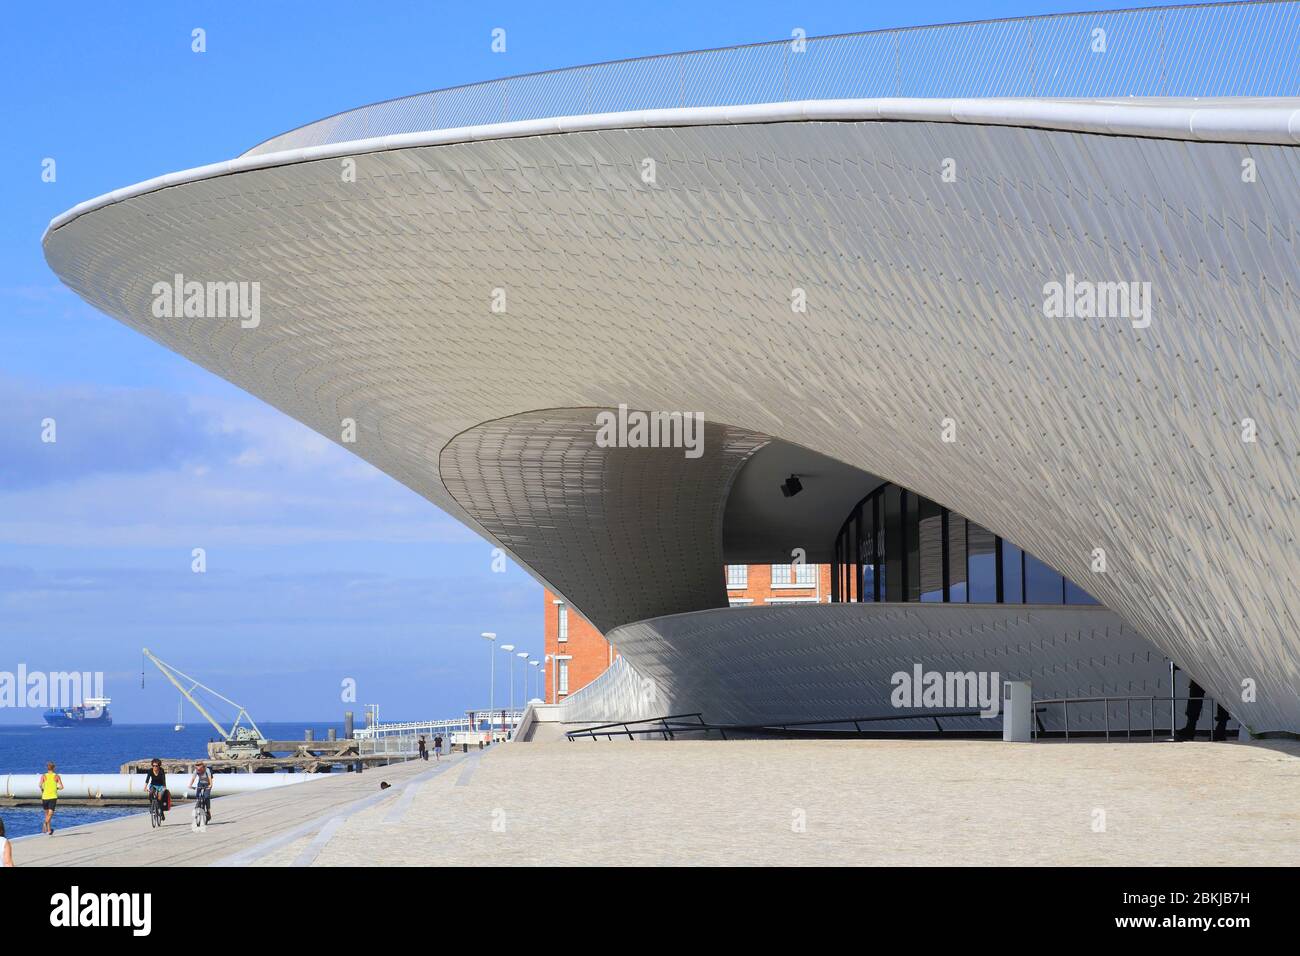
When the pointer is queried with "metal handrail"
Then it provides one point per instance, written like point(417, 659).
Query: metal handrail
point(500, 717)
point(785, 727)
point(661, 725)
point(1151, 700)
point(1205, 49)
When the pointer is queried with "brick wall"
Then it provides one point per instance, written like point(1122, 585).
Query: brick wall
point(759, 589)
point(586, 650)
point(588, 653)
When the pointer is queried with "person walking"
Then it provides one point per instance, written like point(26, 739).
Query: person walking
point(6, 850)
point(437, 748)
point(424, 748)
point(1195, 702)
point(51, 783)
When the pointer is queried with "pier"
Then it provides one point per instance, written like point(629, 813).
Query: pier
point(377, 745)
point(275, 756)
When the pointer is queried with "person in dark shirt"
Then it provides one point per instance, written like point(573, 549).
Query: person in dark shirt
point(1195, 701)
point(155, 778)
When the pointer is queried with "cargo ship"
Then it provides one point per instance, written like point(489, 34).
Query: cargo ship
point(92, 712)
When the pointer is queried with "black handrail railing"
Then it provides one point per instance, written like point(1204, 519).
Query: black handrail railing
point(665, 727)
point(661, 726)
point(1151, 700)
point(669, 725)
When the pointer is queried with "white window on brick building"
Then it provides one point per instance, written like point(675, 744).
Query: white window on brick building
point(564, 675)
point(563, 610)
point(794, 575)
point(737, 575)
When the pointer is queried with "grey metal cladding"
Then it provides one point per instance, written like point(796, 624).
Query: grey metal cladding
point(773, 664)
point(542, 487)
point(925, 302)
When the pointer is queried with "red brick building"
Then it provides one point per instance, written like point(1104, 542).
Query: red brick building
point(577, 653)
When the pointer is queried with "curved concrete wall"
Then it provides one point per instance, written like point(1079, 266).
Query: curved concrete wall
point(769, 665)
point(542, 486)
point(925, 302)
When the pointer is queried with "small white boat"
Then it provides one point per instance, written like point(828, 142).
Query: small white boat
point(179, 725)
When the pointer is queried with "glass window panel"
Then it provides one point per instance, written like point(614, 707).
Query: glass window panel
point(1012, 583)
point(1042, 584)
point(892, 545)
point(981, 565)
point(930, 522)
point(882, 572)
point(850, 544)
point(846, 569)
point(866, 542)
point(1077, 595)
point(836, 568)
point(957, 558)
point(912, 534)
point(868, 582)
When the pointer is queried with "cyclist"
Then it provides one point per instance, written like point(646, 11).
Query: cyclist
point(156, 782)
point(201, 781)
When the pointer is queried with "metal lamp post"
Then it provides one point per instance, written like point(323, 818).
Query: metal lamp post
point(537, 681)
point(492, 680)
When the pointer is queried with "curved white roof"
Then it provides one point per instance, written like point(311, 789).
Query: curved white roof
point(1265, 120)
point(925, 301)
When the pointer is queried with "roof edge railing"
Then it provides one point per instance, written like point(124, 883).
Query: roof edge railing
point(1244, 48)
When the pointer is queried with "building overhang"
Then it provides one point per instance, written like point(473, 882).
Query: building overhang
point(925, 303)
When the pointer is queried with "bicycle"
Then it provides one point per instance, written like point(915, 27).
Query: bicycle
point(202, 808)
point(155, 808)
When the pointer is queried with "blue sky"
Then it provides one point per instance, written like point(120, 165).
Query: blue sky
point(319, 567)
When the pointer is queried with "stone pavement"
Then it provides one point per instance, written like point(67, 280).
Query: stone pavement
point(243, 825)
point(904, 802)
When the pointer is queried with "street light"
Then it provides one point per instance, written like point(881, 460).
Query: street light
point(537, 683)
point(492, 681)
point(508, 648)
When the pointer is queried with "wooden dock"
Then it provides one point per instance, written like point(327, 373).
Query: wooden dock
point(276, 756)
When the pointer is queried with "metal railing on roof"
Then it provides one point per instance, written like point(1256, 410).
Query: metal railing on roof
point(1195, 50)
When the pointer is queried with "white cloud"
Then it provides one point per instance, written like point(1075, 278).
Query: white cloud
point(219, 473)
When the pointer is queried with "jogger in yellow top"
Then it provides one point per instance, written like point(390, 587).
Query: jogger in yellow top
point(51, 784)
